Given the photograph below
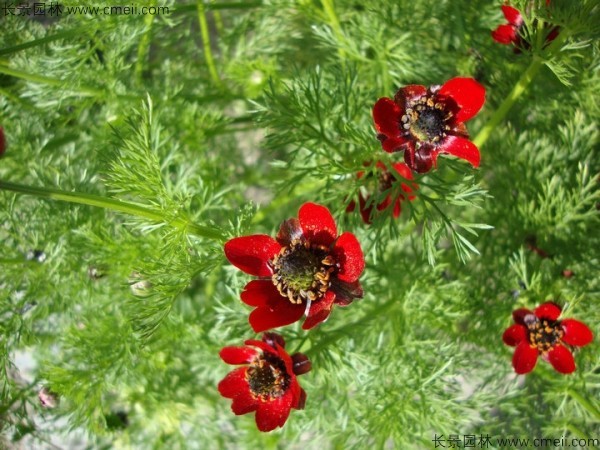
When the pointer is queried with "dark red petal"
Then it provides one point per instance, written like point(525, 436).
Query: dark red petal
point(274, 340)
point(319, 311)
point(301, 401)
point(2, 141)
point(549, 311)
point(461, 148)
point(317, 224)
point(349, 256)
point(234, 383)
point(513, 16)
point(276, 315)
point(386, 115)
point(505, 34)
point(251, 253)
point(266, 348)
point(409, 94)
point(260, 293)
point(395, 144)
point(273, 413)
point(421, 160)
point(301, 364)
point(562, 359)
point(289, 231)
point(467, 93)
point(345, 293)
point(576, 333)
point(243, 403)
point(514, 335)
point(238, 355)
point(524, 358)
point(519, 315)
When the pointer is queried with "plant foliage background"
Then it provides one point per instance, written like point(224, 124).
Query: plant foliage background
point(221, 119)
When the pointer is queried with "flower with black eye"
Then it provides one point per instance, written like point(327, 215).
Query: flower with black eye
point(512, 32)
point(267, 382)
point(540, 333)
point(385, 180)
point(424, 122)
point(306, 269)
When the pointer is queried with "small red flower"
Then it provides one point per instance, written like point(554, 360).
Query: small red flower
point(511, 33)
point(2, 142)
point(267, 383)
point(307, 268)
point(386, 180)
point(539, 332)
point(424, 122)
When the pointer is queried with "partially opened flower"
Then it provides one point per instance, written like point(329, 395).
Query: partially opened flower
point(512, 32)
point(385, 183)
point(540, 333)
point(424, 122)
point(266, 383)
point(306, 269)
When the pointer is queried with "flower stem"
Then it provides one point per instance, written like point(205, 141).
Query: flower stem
point(335, 23)
point(210, 62)
point(584, 403)
point(143, 46)
point(518, 89)
point(114, 205)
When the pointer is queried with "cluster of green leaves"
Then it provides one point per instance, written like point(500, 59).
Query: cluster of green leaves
point(178, 125)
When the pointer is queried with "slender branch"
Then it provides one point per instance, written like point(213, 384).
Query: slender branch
point(210, 62)
point(335, 24)
point(114, 205)
point(143, 46)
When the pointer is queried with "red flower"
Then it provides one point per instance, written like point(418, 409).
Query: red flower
point(539, 332)
point(386, 180)
point(305, 269)
point(2, 142)
point(267, 383)
point(426, 122)
point(511, 33)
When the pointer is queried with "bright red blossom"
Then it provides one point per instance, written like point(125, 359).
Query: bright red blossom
point(386, 180)
point(266, 383)
point(424, 122)
point(307, 268)
point(539, 332)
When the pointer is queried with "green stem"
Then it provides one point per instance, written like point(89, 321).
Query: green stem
point(60, 35)
point(144, 45)
point(335, 23)
point(114, 205)
point(585, 404)
point(518, 89)
point(210, 62)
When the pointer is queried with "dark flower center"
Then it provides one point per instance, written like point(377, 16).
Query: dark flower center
point(543, 334)
point(267, 377)
point(426, 120)
point(302, 271)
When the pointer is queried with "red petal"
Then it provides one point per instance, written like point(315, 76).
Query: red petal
point(461, 148)
point(409, 94)
point(549, 311)
point(395, 144)
point(387, 114)
point(403, 170)
point(319, 311)
point(349, 256)
point(260, 293)
point(244, 403)
point(289, 231)
point(576, 333)
point(301, 401)
point(514, 335)
point(2, 141)
point(421, 160)
point(561, 359)
point(467, 93)
point(234, 383)
point(505, 34)
point(519, 315)
point(238, 355)
point(513, 16)
point(276, 315)
point(524, 358)
point(317, 224)
point(251, 253)
point(273, 413)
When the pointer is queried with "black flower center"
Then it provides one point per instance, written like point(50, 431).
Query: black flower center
point(302, 271)
point(426, 120)
point(543, 334)
point(267, 377)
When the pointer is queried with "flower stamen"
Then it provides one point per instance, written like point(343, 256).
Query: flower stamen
point(267, 377)
point(543, 334)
